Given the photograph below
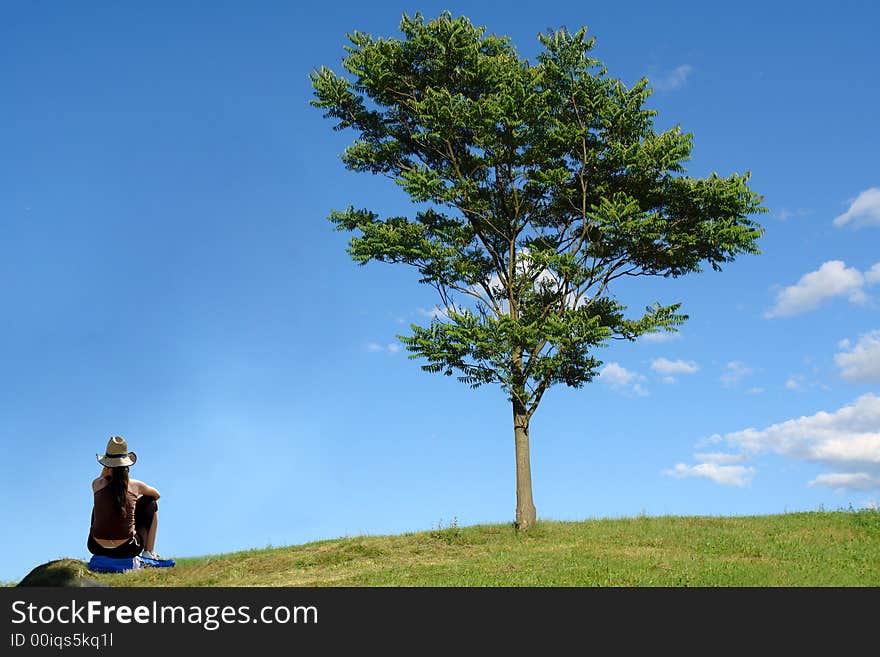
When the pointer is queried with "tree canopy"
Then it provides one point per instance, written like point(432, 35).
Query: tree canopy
point(539, 185)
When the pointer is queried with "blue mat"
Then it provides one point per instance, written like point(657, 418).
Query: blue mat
point(99, 564)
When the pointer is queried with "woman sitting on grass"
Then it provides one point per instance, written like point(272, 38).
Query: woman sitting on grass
point(124, 516)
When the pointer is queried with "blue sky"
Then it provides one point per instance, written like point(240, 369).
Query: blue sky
point(169, 275)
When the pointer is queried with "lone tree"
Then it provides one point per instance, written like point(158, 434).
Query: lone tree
point(538, 184)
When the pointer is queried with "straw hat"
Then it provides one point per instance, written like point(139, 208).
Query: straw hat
point(117, 454)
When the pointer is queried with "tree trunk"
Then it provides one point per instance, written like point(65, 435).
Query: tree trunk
point(525, 506)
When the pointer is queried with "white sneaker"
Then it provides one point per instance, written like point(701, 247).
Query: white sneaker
point(146, 554)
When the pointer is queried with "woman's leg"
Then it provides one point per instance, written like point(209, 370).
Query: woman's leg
point(150, 541)
point(146, 521)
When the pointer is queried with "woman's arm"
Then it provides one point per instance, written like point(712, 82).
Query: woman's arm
point(145, 489)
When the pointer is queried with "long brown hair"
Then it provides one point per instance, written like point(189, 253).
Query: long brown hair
point(119, 487)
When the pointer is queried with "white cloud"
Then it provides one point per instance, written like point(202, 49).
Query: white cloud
point(669, 368)
point(726, 475)
point(847, 480)
point(616, 375)
point(622, 379)
point(391, 347)
point(847, 440)
point(801, 382)
point(755, 391)
point(720, 458)
point(659, 337)
point(734, 372)
point(862, 362)
point(784, 214)
point(674, 79)
point(435, 312)
point(872, 276)
point(850, 433)
point(863, 211)
point(832, 279)
point(524, 266)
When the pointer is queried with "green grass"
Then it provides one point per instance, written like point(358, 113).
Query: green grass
point(837, 548)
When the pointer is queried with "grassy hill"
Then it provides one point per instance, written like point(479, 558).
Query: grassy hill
point(797, 549)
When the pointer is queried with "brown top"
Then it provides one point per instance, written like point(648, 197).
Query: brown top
point(107, 522)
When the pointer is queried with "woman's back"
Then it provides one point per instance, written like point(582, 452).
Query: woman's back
point(108, 522)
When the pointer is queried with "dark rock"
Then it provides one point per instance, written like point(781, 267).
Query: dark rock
point(62, 572)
